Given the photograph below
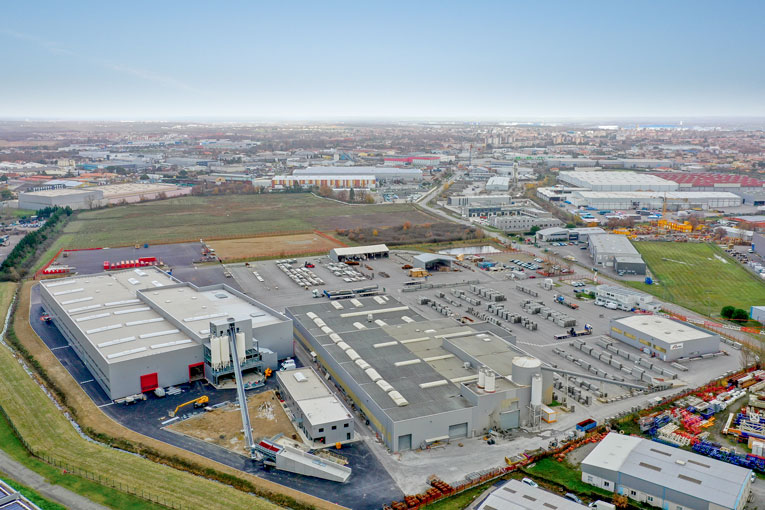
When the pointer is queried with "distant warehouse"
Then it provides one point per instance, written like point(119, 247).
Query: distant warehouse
point(616, 251)
point(359, 182)
point(99, 196)
point(625, 200)
point(381, 174)
point(665, 338)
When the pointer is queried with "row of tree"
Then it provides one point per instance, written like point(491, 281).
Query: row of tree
point(18, 262)
point(734, 314)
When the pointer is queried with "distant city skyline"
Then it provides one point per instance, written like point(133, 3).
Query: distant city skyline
point(392, 60)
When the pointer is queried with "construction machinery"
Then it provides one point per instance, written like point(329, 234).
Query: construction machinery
point(198, 402)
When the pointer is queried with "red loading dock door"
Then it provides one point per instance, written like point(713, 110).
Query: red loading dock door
point(149, 382)
point(196, 371)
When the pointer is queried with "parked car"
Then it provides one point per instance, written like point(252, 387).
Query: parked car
point(529, 481)
point(573, 497)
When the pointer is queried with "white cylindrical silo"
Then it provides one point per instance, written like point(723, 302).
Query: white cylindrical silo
point(481, 378)
point(241, 351)
point(524, 368)
point(490, 382)
point(536, 390)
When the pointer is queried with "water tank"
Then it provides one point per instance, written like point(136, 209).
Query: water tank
point(524, 368)
point(481, 378)
point(490, 381)
point(536, 390)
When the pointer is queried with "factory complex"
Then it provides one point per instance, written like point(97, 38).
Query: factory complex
point(137, 330)
point(421, 381)
point(606, 190)
point(665, 477)
point(99, 196)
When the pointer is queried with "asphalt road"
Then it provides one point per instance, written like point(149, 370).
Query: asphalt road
point(25, 476)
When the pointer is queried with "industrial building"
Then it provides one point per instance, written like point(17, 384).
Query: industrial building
point(318, 412)
point(583, 233)
point(625, 298)
point(624, 200)
point(557, 193)
point(140, 329)
point(664, 476)
point(358, 252)
point(667, 339)
point(516, 495)
point(463, 200)
point(381, 174)
point(411, 160)
point(498, 183)
point(709, 181)
point(757, 313)
point(336, 182)
point(552, 234)
point(616, 251)
point(523, 220)
point(11, 499)
point(419, 381)
point(99, 196)
point(432, 261)
point(617, 181)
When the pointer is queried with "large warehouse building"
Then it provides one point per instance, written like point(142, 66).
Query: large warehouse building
point(665, 477)
point(421, 381)
point(616, 251)
point(712, 181)
point(358, 252)
point(625, 200)
point(99, 196)
point(665, 338)
point(381, 174)
point(357, 182)
point(139, 329)
point(617, 181)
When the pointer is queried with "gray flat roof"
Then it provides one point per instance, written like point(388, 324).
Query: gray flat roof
point(616, 244)
point(664, 329)
point(516, 495)
point(312, 396)
point(106, 310)
point(406, 351)
point(665, 466)
point(196, 307)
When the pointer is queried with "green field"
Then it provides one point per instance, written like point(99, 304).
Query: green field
point(191, 218)
point(701, 277)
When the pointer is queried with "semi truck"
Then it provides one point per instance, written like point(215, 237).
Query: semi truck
point(571, 333)
point(562, 300)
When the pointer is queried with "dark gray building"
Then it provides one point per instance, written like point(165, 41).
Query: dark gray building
point(664, 476)
point(616, 251)
point(419, 381)
point(666, 338)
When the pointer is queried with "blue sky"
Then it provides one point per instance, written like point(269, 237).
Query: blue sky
point(418, 59)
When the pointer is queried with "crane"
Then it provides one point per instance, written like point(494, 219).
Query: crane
point(198, 402)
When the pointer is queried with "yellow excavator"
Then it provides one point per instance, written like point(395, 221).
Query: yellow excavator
point(198, 402)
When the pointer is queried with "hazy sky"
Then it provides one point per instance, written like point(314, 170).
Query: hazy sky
point(414, 59)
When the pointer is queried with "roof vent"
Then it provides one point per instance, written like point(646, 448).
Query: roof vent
point(679, 461)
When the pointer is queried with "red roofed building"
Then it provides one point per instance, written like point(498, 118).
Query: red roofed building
point(412, 160)
point(701, 181)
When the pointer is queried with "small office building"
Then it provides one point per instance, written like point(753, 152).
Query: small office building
point(666, 338)
point(318, 413)
point(664, 476)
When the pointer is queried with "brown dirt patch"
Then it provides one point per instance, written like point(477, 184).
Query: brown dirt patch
point(223, 426)
point(265, 246)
